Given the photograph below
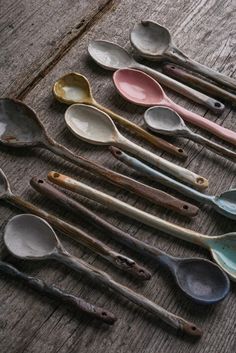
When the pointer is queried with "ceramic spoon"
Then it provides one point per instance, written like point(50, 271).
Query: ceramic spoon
point(224, 204)
point(211, 286)
point(113, 57)
point(96, 127)
point(74, 301)
point(167, 122)
point(75, 88)
point(154, 42)
point(31, 238)
point(222, 247)
point(139, 88)
point(118, 260)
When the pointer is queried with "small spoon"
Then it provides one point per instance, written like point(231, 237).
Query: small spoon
point(31, 238)
point(222, 247)
point(225, 203)
point(139, 88)
point(154, 42)
point(199, 279)
point(75, 302)
point(166, 121)
point(113, 57)
point(75, 88)
point(94, 126)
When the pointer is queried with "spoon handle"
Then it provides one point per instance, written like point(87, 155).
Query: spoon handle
point(199, 83)
point(52, 291)
point(179, 172)
point(107, 281)
point(212, 104)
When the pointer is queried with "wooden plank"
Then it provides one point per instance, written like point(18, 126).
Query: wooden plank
point(202, 29)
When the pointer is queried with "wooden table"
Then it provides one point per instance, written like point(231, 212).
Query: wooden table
point(40, 41)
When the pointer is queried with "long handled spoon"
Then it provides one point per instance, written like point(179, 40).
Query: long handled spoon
point(75, 88)
point(224, 204)
point(118, 260)
point(94, 126)
point(199, 279)
point(166, 121)
point(73, 301)
point(139, 88)
point(31, 238)
point(154, 42)
point(222, 247)
point(113, 57)
point(20, 127)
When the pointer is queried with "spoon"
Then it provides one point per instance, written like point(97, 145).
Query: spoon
point(113, 57)
point(31, 238)
point(118, 260)
point(139, 88)
point(166, 121)
point(154, 42)
point(96, 127)
point(74, 301)
point(199, 279)
point(225, 203)
point(222, 247)
point(20, 127)
point(74, 88)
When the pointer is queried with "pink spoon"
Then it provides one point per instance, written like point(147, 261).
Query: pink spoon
point(138, 87)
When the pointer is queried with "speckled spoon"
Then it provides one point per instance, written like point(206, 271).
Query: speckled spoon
point(112, 57)
point(96, 127)
point(154, 42)
point(31, 238)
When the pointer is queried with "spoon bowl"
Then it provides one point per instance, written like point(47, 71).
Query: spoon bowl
point(226, 203)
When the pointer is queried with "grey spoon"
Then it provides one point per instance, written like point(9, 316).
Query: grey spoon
point(111, 56)
point(225, 203)
point(166, 121)
point(154, 42)
point(31, 238)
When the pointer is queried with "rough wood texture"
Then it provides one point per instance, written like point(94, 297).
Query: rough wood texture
point(205, 31)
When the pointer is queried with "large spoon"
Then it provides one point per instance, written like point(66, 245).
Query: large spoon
point(167, 122)
point(224, 204)
point(94, 126)
point(113, 57)
point(199, 279)
point(154, 42)
point(31, 238)
point(139, 88)
point(222, 247)
point(75, 302)
point(75, 88)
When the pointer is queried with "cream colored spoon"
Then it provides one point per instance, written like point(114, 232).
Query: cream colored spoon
point(96, 127)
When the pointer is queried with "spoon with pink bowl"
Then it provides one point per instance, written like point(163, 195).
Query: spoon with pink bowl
point(140, 88)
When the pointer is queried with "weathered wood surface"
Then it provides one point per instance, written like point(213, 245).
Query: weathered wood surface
point(206, 31)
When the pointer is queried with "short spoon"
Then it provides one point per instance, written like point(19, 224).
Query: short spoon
point(113, 57)
point(199, 279)
point(154, 42)
point(31, 238)
point(167, 122)
point(222, 247)
point(96, 127)
point(139, 88)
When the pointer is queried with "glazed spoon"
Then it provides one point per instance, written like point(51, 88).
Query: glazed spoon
point(94, 126)
point(199, 279)
point(222, 247)
point(75, 88)
point(225, 203)
point(154, 42)
point(139, 88)
point(113, 57)
point(167, 122)
point(31, 238)
point(75, 302)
